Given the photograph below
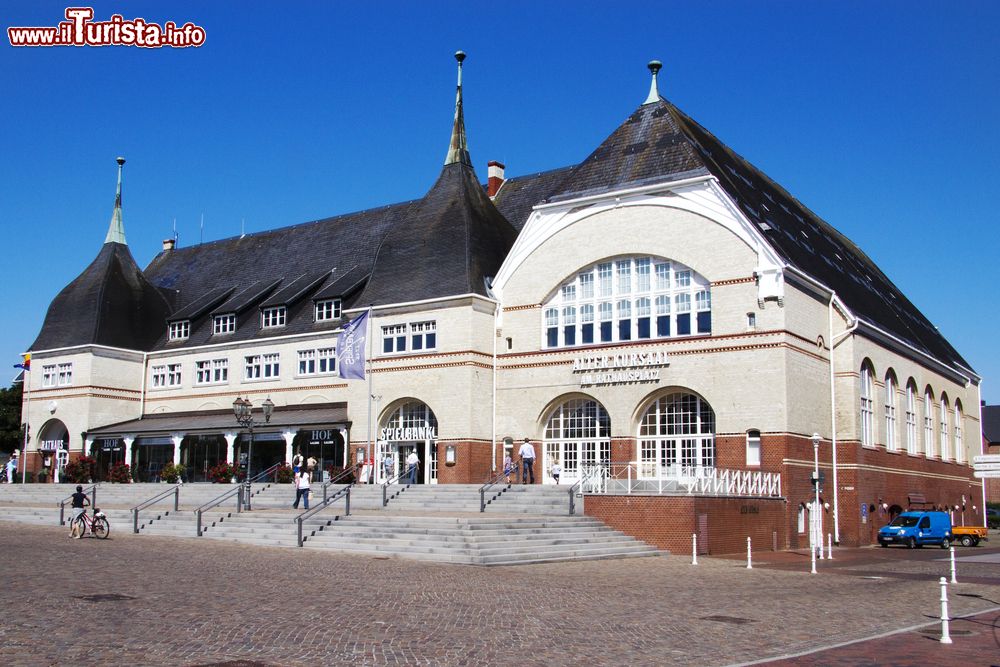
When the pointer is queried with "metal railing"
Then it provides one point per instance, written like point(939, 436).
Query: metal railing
point(259, 477)
point(163, 495)
point(339, 479)
point(62, 503)
point(626, 477)
point(395, 480)
point(215, 502)
point(344, 493)
point(493, 482)
point(588, 475)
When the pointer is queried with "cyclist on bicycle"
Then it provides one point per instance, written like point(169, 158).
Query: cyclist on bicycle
point(80, 500)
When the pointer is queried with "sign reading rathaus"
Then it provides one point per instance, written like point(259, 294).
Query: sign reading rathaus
point(620, 368)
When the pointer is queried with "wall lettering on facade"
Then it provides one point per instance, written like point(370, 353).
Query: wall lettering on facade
point(321, 437)
point(51, 445)
point(620, 368)
point(749, 509)
point(408, 434)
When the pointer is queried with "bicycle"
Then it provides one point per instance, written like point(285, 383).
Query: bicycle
point(98, 524)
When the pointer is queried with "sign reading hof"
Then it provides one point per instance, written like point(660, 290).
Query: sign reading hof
point(408, 434)
point(620, 368)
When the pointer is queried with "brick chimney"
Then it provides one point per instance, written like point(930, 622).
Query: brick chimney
point(168, 244)
point(495, 180)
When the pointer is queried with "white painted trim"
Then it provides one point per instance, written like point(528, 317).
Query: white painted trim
point(628, 192)
point(407, 304)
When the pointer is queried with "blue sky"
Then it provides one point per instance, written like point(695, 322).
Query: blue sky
point(879, 116)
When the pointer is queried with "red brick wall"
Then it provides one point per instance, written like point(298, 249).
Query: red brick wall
point(472, 462)
point(669, 521)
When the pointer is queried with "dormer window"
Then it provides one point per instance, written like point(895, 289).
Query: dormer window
point(328, 309)
point(223, 324)
point(272, 317)
point(180, 330)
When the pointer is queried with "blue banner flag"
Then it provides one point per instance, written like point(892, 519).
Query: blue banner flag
point(351, 348)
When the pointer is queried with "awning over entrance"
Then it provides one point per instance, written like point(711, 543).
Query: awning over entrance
point(217, 421)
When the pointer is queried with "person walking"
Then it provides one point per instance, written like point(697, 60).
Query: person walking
point(302, 490)
point(556, 471)
point(412, 463)
point(79, 501)
point(11, 469)
point(297, 462)
point(508, 466)
point(527, 454)
point(387, 466)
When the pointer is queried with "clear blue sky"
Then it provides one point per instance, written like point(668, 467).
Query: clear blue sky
point(880, 116)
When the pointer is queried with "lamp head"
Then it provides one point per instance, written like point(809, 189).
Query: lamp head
point(268, 407)
point(816, 439)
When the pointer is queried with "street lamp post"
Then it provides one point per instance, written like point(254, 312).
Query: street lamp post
point(817, 520)
point(243, 410)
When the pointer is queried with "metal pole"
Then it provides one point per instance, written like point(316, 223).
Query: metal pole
point(829, 546)
point(945, 635)
point(954, 579)
point(135, 521)
point(812, 559)
point(198, 514)
point(694, 548)
point(177, 497)
point(247, 487)
point(749, 555)
point(347, 503)
point(23, 458)
point(818, 524)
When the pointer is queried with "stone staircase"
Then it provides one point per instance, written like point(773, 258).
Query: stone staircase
point(442, 523)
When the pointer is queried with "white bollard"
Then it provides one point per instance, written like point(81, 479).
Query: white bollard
point(945, 636)
point(749, 555)
point(812, 558)
point(694, 548)
point(954, 579)
point(829, 546)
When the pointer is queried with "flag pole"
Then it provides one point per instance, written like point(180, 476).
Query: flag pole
point(371, 438)
point(27, 412)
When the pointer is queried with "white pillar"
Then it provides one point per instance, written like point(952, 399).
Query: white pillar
point(88, 446)
point(176, 438)
point(289, 436)
point(128, 440)
point(345, 436)
point(230, 446)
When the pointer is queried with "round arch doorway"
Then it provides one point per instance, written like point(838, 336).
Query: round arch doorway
point(410, 427)
point(577, 437)
point(326, 445)
point(53, 450)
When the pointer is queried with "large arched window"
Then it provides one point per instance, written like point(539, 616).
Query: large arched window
point(677, 432)
point(890, 413)
point(410, 427)
point(629, 298)
point(928, 423)
point(959, 445)
point(867, 411)
point(577, 435)
point(911, 418)
point(945, 442)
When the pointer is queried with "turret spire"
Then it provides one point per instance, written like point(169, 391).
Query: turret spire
point(654, 94)
point(458, 151)
point(116, 230)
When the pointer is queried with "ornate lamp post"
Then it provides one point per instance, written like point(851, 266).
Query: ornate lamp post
point(818, 519)
point(243, 409)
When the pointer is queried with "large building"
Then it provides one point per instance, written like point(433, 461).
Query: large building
point(661, 319)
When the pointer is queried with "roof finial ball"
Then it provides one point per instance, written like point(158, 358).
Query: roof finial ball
point(654, 94)
point(120, 160)
point(459, 56)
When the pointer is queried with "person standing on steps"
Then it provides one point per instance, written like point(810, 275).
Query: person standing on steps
point(80, 500)
point(527, 454)
point(297, 462)
point(387, 466)
point(302, 490)
point(508, 466)
point(412, 463)
point(556, 471)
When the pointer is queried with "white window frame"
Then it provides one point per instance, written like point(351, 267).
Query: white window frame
point(327, 310)
point(65, 374)
point(179, 330)
point(415, 337)
point(224, 324)
point(911, 420)
point(395, 335)
point(867, 411)
point(928, 424)
point(174, 375)
point(890, 414)
point(425, 332)
point(211, 371)
point(753, 448)
point(49, 375)
point(158, 376)
point(273, 317)
point(959, 445)
point(945, 442)
point(264, 366)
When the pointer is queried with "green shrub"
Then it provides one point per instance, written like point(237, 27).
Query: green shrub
point(171, 473)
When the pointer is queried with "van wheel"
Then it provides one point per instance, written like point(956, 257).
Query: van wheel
point(945, 543)
point(975, 541)
point(968, 541)
point(911, 543)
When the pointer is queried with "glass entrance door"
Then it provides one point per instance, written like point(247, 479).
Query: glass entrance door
point(201, 453)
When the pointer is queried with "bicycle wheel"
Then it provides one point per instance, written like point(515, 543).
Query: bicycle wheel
point(100, 528)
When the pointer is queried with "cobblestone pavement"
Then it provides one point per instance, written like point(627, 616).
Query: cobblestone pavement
point(206, 602)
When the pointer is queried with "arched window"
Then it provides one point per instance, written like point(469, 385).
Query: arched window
point(890, 413)
point(959, 445)
point(911, 418)
point(577, 436)
point(945, 442)
point(410, 427)
point(630, 298)
point(928, 423)
point(867, 411)
point(676, 434)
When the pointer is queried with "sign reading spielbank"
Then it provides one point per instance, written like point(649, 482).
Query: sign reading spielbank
point(620, 368)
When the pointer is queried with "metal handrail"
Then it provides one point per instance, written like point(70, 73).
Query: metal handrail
point(264, 473)
point(215, 502)
point(338, 480)
point(394, 480)
point(176, 490)
point(62, 503)
point(578, 486)
point(493, 482)
point(326, 502)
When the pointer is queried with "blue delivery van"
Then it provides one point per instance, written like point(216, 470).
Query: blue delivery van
point(915, 529)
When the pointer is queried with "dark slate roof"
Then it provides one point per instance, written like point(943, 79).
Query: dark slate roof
point(110, 303)
point(222, 420)
point(991, 424)
point(246, 298)
point(520, 193)
point(344, 283)
point(660, 143)
point(291, 292)
point(449, 243)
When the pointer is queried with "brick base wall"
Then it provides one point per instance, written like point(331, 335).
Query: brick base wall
point(472, 462)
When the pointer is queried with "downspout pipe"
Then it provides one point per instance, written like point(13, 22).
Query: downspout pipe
point(142, 390)
point(493, 435)
point(834, 299)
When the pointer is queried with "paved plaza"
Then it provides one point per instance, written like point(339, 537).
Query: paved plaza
point(145, 600)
